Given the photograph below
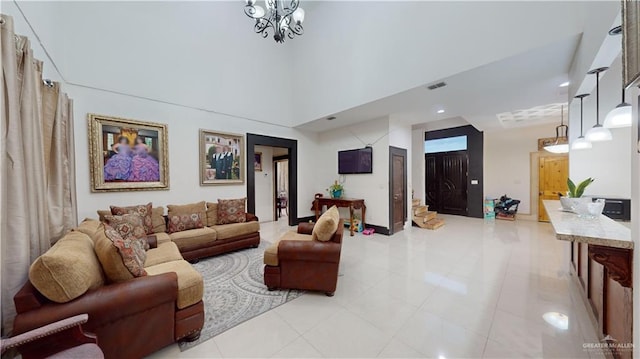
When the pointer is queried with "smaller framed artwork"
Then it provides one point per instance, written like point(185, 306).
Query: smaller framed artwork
point(221, 158)
point(127, 155)
point(257, 162)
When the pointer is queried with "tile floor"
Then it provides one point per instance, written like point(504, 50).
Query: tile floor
point(470, 289)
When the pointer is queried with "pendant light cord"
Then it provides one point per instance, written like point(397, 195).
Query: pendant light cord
point(581, 99)
point(597, 98)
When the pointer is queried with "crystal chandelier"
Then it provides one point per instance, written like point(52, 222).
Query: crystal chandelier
point(283, 17)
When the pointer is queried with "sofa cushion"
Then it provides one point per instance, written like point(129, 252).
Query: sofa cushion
point(194, 238)
point(271, 253)
point(327, 225)
point(129, 226)
point(190, 284)
point(198, 207)
point(162, 237)
point(184, 222)
point(183, 217)
point(165, 252)
point(225, 231)
point(231, 211)
point(68, 269)
point(131, 251)
point(89, 227)
point(143, 211)
point(110, 258)
point(212, 214)
point(157, 219)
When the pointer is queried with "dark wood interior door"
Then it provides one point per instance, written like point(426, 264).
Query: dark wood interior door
point(446, 182)
point(398, 191)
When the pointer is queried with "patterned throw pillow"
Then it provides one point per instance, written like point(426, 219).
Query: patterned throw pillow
point(130, 227)
point(231, 211)
point(131, 251)
point(183, 222)
point(144, 210)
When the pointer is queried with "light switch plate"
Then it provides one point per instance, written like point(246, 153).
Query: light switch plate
point(474, 181)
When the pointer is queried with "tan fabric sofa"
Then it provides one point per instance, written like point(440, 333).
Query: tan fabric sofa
point(132, 316)
point(211, 240)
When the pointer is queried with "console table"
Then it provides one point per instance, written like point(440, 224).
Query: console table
point(351, 203)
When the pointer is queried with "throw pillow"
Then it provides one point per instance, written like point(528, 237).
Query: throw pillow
point(327, 225)
point(131, 251)
point(157, 218)
point(183, 222)
point(144, 211)
point(129, 226)
point(231, 211)
point(212, 214)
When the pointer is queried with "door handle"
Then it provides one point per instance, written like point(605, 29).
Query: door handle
point(540, 193)
point(396, 196)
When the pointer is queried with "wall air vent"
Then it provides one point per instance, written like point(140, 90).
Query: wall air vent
point(436, 85)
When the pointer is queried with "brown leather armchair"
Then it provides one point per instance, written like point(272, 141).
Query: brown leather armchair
point(306, 264)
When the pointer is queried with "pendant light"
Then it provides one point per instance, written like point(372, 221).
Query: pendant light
point(598, 133)
point(581, 143)
point(561, 144)
point(620, 116)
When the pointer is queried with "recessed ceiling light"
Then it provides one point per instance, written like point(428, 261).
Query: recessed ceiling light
point(564, 84)
point(440, 111)
point(331, 118)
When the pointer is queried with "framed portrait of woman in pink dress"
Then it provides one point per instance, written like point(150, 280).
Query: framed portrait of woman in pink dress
point(127, 155)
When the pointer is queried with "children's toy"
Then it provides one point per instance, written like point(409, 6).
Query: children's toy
point(368, 231)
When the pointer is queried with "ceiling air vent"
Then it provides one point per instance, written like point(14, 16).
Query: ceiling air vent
point(436, 85)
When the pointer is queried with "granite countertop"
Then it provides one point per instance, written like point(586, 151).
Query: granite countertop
point(602, 231)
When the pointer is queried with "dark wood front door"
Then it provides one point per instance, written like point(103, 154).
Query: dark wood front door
point(398, 188)
point(446, 182)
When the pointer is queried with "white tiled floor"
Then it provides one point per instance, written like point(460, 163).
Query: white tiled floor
point(469, 289)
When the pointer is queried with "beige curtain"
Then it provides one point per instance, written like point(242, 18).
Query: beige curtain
point(38, 187)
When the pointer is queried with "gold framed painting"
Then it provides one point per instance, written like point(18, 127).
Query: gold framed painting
point(127, 155)
point(631, 43)
point(221, 158)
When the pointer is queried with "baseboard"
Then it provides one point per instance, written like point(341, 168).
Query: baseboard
point(379, 229)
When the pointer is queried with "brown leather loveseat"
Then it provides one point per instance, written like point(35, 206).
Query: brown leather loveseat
point(131, 316)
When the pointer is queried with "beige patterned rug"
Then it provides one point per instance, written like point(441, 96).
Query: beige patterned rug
point(234, 291)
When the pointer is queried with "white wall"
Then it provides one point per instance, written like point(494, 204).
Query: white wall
point(607, 162)
point(417, 164)
point(507, 164)
point(183, 125)
point(374, 187)
point(264, 185)
point(633, 96)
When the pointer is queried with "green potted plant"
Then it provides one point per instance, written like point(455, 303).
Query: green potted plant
point(335, 190)
point(574, 195)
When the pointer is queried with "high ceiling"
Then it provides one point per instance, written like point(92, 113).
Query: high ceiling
point(357, 60)
point(516, 83)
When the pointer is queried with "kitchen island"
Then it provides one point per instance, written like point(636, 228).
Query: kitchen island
point(601, 253)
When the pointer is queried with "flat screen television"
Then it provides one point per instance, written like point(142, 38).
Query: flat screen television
point(355, 161)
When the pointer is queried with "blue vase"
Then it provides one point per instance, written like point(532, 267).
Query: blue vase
point(336, 193)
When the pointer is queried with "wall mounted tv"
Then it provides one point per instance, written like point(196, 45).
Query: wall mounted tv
point(355, 161)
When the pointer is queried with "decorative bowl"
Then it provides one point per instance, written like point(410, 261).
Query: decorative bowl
point(589, 210)
point(569, 203)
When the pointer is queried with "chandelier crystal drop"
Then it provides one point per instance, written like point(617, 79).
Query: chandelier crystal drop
point(282, 17)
